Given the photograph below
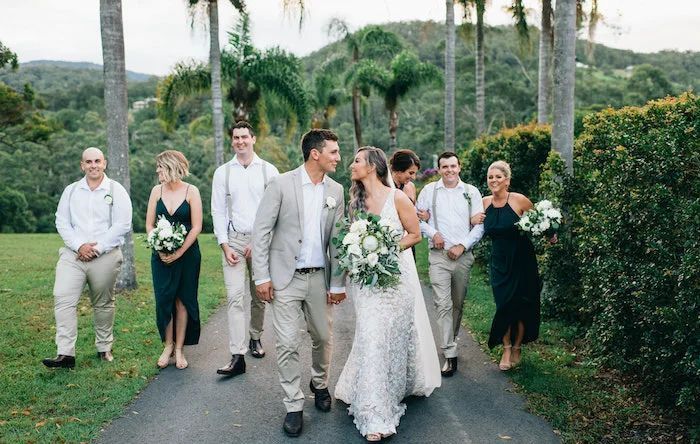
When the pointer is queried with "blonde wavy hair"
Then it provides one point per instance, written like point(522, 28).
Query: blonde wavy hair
point(502, 166)
point(174, 165)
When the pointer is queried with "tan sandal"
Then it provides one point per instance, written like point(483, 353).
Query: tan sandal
point(373, 437)
point(513, 362)
point(505, 366)
point(166, 356)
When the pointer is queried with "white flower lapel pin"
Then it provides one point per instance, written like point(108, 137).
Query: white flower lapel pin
point(330, 202)
point(108, 199)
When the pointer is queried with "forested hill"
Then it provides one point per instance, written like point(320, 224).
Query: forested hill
point(44, 127)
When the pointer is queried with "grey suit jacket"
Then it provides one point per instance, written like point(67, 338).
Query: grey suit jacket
point(278, 230)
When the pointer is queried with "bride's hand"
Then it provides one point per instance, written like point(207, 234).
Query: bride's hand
point(335, 298)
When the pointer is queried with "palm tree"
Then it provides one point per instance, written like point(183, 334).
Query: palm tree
point(480, 82)
point(328, 91)
point(544, 75)
point(248, 75)
point(449, 75)
point(116, 109)
point(564, 79)
point(372, 42)
point(405, 73)
point(7, 57)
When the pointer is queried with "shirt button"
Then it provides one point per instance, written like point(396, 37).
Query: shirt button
point(296, 258)
point(299, 240)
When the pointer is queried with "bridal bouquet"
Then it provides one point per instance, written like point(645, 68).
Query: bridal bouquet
point(166, 237)
point(543, 220)
point(368, 249)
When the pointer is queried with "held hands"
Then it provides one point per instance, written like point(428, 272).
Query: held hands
point(247, 253)
point(438, 241)
point(423, 215)
point(265, 291)
point(478, 219)
point(335, 298)
point(230, 255)
point(170, 258)
point(455, 252)
point(87, 252)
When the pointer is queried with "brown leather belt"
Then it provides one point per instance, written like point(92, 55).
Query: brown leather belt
point(308, 270)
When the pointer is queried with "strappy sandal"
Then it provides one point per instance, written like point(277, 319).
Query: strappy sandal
point(513, 362)
point(505, 367)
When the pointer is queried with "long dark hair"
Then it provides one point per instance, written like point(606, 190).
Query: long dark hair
point(374, 157)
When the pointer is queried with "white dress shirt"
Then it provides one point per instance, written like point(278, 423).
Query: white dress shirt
point(312, 253)
point(86, 217)
point(454, 211)
point(247, 185)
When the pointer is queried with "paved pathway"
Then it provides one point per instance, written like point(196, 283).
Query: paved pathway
point(476, 405)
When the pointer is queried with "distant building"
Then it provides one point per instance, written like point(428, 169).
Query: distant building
point(145, 103)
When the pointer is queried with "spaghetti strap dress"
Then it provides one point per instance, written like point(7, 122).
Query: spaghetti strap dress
point(514, 276)
point(179, 280)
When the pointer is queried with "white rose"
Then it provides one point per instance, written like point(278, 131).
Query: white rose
point(543, 205)
point(359, 226)
point(351, 238)
point(372, 259)
point(330, 202)
point(163, 223)
point(355, 249)
point(165, 233)
point(383, 250)
point(545, 225)
point(553, 213)
point(370, 243)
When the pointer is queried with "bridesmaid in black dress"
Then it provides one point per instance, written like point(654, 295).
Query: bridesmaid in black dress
point(176, 275)
point(404, 166)
point(515, 280)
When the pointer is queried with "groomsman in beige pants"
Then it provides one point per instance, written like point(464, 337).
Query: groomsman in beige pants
point(93, 216)
point(237, 188)
point(294, 266)
point(445, 208)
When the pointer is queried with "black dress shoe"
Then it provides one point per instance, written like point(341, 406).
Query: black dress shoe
point(322, 399)
point(256, 348)
point(233, 368)
point(293, 423)
point(60, 361)
point(105, 356)
point(449, 368)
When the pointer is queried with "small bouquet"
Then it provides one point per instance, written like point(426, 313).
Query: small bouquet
point(543, 220)
point(166, 237)
point(368, 249)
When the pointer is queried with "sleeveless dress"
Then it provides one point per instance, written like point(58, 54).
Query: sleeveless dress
point(514, 277)
point(393, 353)
point(179, 280)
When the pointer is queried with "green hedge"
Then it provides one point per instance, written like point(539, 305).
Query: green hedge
point(524, 147)
point(627, 266)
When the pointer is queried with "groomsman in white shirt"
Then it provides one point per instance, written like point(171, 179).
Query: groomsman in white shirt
point(93, 216)
point(445, 208)
point(237, 189)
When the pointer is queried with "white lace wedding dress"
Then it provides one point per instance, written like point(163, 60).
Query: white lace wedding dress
point(393, 354)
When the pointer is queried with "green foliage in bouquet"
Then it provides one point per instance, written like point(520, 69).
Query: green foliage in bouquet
point(368, 250)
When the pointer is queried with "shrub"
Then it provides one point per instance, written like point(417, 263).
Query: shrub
point(634, 221)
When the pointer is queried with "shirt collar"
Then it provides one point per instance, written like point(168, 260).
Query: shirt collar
point(104, 185)
point(256, 160)
point(441, 184)
point(305, 179)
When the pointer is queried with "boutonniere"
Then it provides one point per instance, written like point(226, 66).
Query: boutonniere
point(108, 199)
point(330, 203)
point(467, 198)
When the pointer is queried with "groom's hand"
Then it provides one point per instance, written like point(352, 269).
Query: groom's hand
point(264, 291)
point(335, 298)
point(230, 255)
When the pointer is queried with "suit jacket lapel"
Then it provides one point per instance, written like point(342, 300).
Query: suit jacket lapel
point(299, 193)
point(324, 213)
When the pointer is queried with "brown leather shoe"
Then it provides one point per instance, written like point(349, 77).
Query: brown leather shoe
point(233, 368)
point(60, 361)
point(105, 356)
point(322, 399)
point(256, 349)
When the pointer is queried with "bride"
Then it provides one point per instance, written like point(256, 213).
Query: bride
point(393, 353)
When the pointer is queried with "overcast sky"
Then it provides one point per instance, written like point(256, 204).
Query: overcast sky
point(157, 32)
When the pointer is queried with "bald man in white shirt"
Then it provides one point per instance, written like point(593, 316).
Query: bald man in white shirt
point(445, 208)
point(93, 217)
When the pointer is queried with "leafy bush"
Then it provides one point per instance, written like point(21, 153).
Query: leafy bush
point(633, 236)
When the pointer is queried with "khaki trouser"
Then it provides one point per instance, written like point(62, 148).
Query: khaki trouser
point(71, 276)
point(303, 298)
point(240, 301)
point(450, 282)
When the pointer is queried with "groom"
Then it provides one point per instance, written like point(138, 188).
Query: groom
point(294, 264)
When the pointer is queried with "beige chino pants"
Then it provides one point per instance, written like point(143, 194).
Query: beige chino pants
point(241, 297)
point(303, 299)
point(71, 276)
point(450, 282)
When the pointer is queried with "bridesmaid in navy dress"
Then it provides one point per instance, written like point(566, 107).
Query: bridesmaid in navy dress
point(176, 275)
point(513, 273)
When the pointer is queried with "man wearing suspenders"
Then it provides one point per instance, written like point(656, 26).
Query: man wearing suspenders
point(237, 189)
point(93, 216)
point(447, 205)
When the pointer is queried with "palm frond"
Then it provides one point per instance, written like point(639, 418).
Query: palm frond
point(185, 80)
point(519, 13)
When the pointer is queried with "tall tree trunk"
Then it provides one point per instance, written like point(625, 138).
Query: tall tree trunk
point(393, 127)
point(564, 79)
point(449, 75)
point(116, 108)
point(544, 89)
point(480, 82)
point(356, 116)
point(215, 67)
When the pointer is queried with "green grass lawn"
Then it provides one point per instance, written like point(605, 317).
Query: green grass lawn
point(42, 405)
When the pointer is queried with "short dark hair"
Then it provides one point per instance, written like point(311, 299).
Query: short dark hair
point(242, 124)
point(447, 155)
point(316, 139)
point(402, 160)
